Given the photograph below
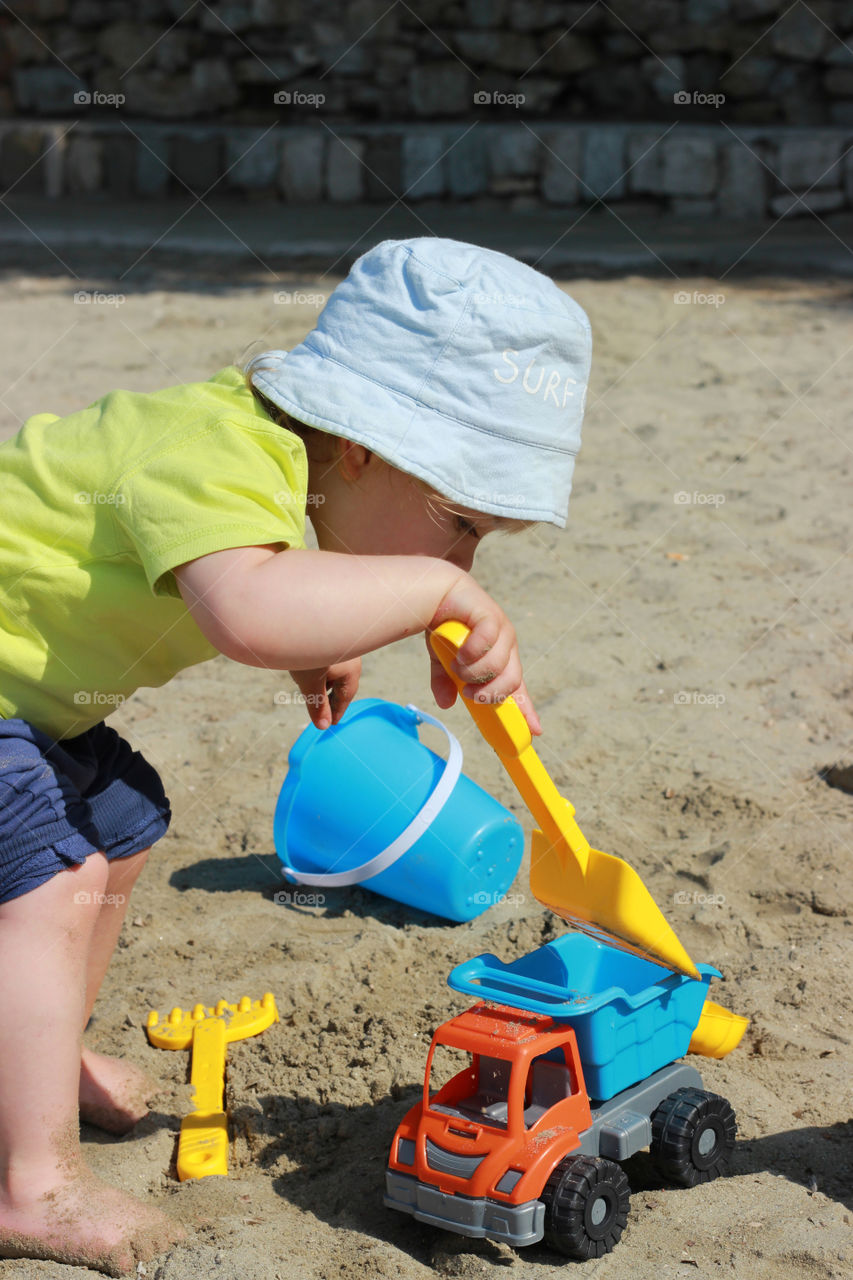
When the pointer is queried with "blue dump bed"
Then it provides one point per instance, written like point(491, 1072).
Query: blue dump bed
point(630, 1016)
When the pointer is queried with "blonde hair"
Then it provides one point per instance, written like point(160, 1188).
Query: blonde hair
point(320, 447)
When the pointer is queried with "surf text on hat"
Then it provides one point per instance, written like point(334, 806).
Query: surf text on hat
point(552, 383)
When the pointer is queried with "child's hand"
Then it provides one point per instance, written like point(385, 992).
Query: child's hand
point(488, 660)
point(328, 691)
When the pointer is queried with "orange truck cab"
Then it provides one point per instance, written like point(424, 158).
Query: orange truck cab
point(511, 1147)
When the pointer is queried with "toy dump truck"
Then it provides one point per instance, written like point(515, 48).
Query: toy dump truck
point(568, 1067)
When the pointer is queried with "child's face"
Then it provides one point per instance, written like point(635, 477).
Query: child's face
point(366, 507)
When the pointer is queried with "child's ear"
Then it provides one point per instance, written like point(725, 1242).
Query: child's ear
point(353, 459)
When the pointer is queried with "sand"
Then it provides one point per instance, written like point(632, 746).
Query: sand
point(690, 661)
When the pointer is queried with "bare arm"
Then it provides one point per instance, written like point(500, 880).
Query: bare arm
point(301, 610)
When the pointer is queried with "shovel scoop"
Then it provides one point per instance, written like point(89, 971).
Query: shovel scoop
point(596, 892)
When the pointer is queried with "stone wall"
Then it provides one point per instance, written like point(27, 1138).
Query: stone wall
point(690, 170)
point(370, 61)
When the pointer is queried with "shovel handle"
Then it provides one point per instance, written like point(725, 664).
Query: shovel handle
point(501, 724)
point(508, 733)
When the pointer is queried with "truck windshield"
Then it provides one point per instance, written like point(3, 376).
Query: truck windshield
point(482, 1097)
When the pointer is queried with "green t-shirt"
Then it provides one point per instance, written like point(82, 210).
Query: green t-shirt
point(97, 507)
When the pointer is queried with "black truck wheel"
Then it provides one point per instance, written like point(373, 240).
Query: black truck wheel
point(586, 1203)
point(693, 1135)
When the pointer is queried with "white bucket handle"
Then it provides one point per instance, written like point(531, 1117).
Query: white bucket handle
point(422, 820)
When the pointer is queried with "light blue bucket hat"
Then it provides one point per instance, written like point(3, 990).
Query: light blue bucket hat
point(454, 363)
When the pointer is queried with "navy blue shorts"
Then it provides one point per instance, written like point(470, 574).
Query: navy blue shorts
point(61, 801)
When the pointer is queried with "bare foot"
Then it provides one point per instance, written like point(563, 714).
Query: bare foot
point(84, 1222)
point(114, 1094)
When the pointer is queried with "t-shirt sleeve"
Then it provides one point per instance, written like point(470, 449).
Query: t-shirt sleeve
point(226, 486)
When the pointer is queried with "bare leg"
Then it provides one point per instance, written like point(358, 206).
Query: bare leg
point(113, 1094)
point(51, 1204)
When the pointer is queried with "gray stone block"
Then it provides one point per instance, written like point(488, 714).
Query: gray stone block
point(213, 81)
point(275, 72)
point(562, 165)
point(53, 160)
point(344, 170)
point(538, 15)
point(274, 13)
point(21, 147)
point(478, 46)
point(706, 12)
point(514, 151)
point(485, 13)
point(644, 160)
point(172, 51)
point(84, 164)
point(666, 78)
point(227, 15)
point(119, 162)
point(161, 96)
point(196, 158)
point(839, 82)
point(604, 165)
point(46, 91)
point(443, 88)
point(383, 167)
point(791, 206)
point(804, 160)
point(301, 174)
point(744, 182)
point(252, 158)
point(799, 34)
point(423, 166)
point(467, 172)
point(127, 44)
point(841, 113)
point(750, 77)
point(152, 162)
point(568, 53)
point(689, 166)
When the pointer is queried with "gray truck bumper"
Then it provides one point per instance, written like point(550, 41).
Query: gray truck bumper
point(516, 1224)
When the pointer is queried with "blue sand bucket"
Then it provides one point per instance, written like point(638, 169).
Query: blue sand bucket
point(365, 802)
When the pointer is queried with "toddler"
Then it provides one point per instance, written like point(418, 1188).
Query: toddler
point(439, 398)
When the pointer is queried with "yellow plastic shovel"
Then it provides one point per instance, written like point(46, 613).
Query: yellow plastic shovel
point(594, 891)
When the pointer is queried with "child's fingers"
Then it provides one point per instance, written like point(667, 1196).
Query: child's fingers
point(484, 661)
point(342, 689)
point(319, 707)
point(443, 688)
